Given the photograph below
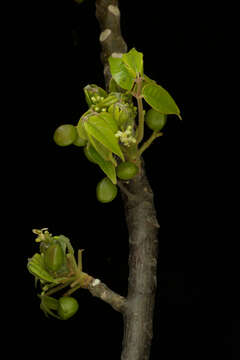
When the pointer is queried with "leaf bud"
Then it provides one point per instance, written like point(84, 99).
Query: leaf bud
point(54, 257)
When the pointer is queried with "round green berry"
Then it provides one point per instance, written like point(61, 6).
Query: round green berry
point(155, 120)
point(79, 141)
point(67, 307)
point(65, 135)
point(106, 191)
point(126, 170)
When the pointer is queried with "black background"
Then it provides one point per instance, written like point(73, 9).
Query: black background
point(59, 53)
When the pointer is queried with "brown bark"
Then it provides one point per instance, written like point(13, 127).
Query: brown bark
point(140, 216)
point(143, 250)
point(102, 291)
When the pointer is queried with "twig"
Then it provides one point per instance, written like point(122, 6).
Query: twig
point(100, 290)
point(125, 190)
point(148, 142)
point(141, 219)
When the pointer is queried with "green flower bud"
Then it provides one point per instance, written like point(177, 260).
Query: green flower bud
point(54, 257)
point(79, 141)
point(109, 100)
point(93, 93)
point(123, 116)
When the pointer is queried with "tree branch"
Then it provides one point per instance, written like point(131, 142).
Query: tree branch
point(100, 290)
point(108, 15)
point(140, 216)
point(148, 142)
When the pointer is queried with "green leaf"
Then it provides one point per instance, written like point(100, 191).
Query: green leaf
point(93, 90)
point(109, 119)
point(120, 73)
point(114, 87)
point(49, 301)
point(97, 128)
point(159, 99)
point(35, 267)
point(134, 62)
point(148, 80)
point(107, 166)
point(101, 149)
point(80, 128)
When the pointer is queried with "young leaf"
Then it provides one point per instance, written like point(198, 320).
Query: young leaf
point(109, 119)
point(148, 80)
point(97, 128)
point(80, 128)
point(49, 301)
point(159, 99)
point(107, 166)
point(101, 150)
point(134, 62)
point(94, 90)
point(120, 73)
point(114, 87)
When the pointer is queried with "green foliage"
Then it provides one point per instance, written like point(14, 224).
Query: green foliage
point(99, 129)
point(159, 99)
point(107, 166)
point(134, 62)
point(127, 68)
point(121, 74)
point(108, 130)
point(36, 267)
point(94, 94)
point(110, 137)
point(55, 267)
point(49, 306)
point(114, 87)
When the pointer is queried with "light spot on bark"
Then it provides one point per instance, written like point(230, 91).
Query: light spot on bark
point(95, 282)
point(114, 10)
point(104, 34)
point(117, 55)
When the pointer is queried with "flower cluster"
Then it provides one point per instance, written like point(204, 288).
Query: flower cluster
point(126, 136)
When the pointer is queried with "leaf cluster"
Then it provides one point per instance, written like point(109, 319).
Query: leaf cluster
point(112, 129)
point(56, 268)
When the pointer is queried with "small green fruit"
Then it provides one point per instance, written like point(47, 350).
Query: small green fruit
point(65, 135)
point(155, 120)
point(106, 191)
point(67, 307)
point(79, 141)
point(54, 257)
point(126, 170)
